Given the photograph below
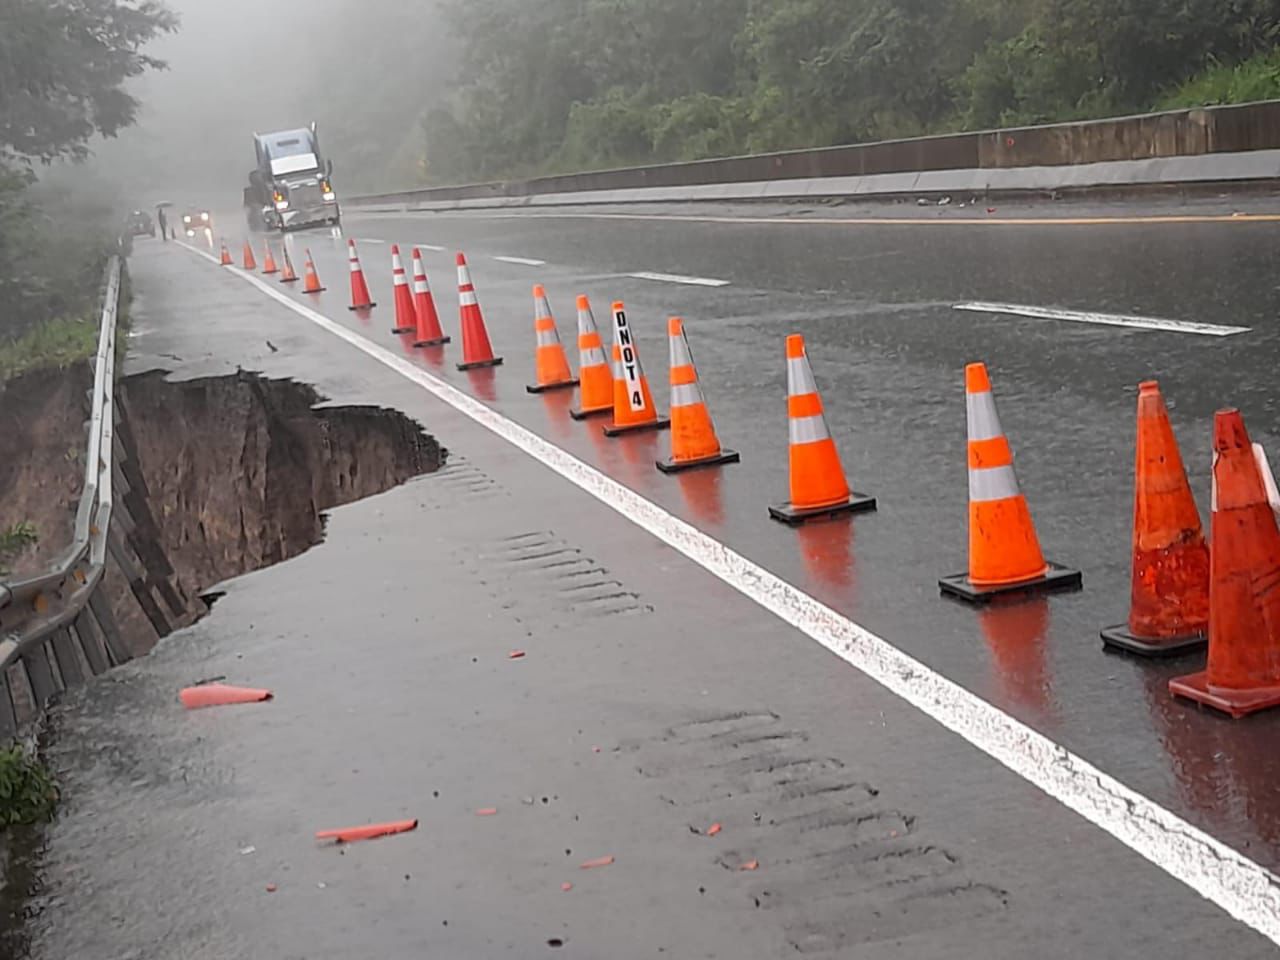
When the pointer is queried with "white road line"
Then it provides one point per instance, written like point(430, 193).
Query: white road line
point(1106, 319)
point(677, 278)
point(429, 246)
point(1241, 887)
point(369, 240)
point(522, 261)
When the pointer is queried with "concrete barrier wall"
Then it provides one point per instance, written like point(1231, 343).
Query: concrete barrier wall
point(1180, 133)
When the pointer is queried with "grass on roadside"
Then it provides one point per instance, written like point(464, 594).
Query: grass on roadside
point(54, 344)
point(27, 791)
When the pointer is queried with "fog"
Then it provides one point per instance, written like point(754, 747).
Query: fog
point(365, 70)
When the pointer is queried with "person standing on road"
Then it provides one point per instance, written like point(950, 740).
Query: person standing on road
point(164, 224)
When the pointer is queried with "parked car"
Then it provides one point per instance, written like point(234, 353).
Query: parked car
point(139, 223)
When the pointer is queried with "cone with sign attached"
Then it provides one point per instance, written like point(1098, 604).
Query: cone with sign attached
point(476, 349)
point(406, 318)
point(268, 261)
point(429, 333)
point(1242, 674)
point(1169, 585)
point(360, 299)
point(596, 396)
point(288, 274)
point(226, 260)
point(818, 485)
point(1004, 552)
point(633, 406)
point(551, 366)
point(693, 436)
point(311, 279)
point(247, 259)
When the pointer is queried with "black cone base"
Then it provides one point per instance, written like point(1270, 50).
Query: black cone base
point(1055, 578)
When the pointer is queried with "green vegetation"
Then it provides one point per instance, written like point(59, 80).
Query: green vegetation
point(14, 540)
point(63, 66)
point(558, 85)
point(27, 791)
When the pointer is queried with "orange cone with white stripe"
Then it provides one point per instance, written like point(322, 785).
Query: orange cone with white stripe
point(693, 436)
point(596, 395)
point(360, 299)
point(226, 256)
point(551, 366)
point(429, 333)
point(406, 317)
point(247, 260)
point(268, 261)
point(288, 275)
point(633, 406)
point(818, 485)
point(1004, 551)
point(1169, 576)
point(476, 349)
point(311, 279)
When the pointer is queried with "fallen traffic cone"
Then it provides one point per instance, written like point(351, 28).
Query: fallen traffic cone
point(360, 299)
point(429, 333)
point(1243, 670)
point(226, 260)
point(596, 395)
point(406, 319)
point(247, 261)
point(693, 436)
point(220, 695)
point(1004, 552)
point(1169, 591)
point(476, 349)
point(633, 407)
point(818, 484)
point(288, 275)
point(268, 261)
point(311, 279)
point(550, 363)
point(350, 834)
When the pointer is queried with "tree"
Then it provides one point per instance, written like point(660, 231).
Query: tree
point(63, 66)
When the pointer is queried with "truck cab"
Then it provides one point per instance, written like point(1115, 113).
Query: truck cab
point(292, 185)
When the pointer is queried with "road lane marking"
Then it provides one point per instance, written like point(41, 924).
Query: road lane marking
point(522, 261)
point(369, 240)
point(1106, 319)
point(677, 278)
point(1244, 889)
point(988, 221)
point(430, 246)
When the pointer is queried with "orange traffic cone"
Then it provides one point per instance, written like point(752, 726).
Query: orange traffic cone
point(1243, 670)
point(1169, 605)
point(311, 279)
point(693, 436)
point(429, 333)
point(219, 695)
point(288, 275)
point(476, 349)
point(596, 396)
point(350, 834)
point(268, 261)
point(633, 407)
point(818, 484)
point(551, 365)
point(360, 299)
point(247, 261)
point(406, 318)
point(226, 256)
point(1004, 552)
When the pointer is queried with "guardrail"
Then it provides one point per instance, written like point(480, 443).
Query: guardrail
point(54, 630)
point(1155, 137)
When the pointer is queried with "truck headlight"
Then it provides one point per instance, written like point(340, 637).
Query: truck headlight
point(282, 204)
point(204, 217)
point(330, 195)
point(186, 218)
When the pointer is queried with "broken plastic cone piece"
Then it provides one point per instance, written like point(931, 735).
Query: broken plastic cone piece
point(351, 834)
point(220, 695)
point(713, 829)
point(486, 812)
point(598, 862)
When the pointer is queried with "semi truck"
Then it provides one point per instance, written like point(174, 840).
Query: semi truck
point(292, 185)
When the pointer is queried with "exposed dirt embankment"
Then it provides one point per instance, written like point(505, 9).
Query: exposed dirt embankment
point(214, 478)
point(240, 469)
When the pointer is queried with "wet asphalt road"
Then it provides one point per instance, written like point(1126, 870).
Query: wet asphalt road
point(874, 302)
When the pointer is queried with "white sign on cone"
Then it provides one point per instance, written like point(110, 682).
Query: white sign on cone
point(631, 371)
